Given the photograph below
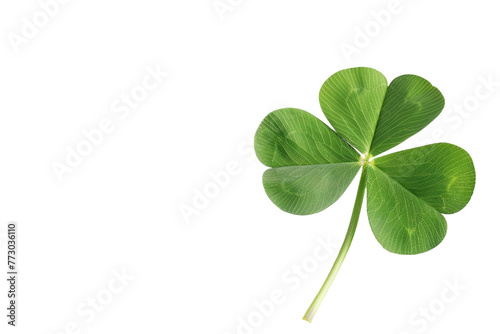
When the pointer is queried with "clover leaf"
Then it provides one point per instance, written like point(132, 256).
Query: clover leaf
point(407, 192)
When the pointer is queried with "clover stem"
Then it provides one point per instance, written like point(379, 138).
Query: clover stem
point(311, 311)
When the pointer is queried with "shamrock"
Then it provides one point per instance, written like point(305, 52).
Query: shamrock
point(407, 192)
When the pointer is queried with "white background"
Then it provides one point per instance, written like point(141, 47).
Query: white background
point(119, 209)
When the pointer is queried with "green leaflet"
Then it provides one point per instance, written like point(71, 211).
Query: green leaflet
point(410, 104)
point(294, 137)
point(304, 190)
point(407, 192)
point(351, 100)
point(441, 174)
point(402, 222)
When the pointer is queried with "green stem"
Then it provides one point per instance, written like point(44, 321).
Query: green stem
point(311, 311)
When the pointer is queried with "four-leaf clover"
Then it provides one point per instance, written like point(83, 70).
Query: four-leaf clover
point(407, 192)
